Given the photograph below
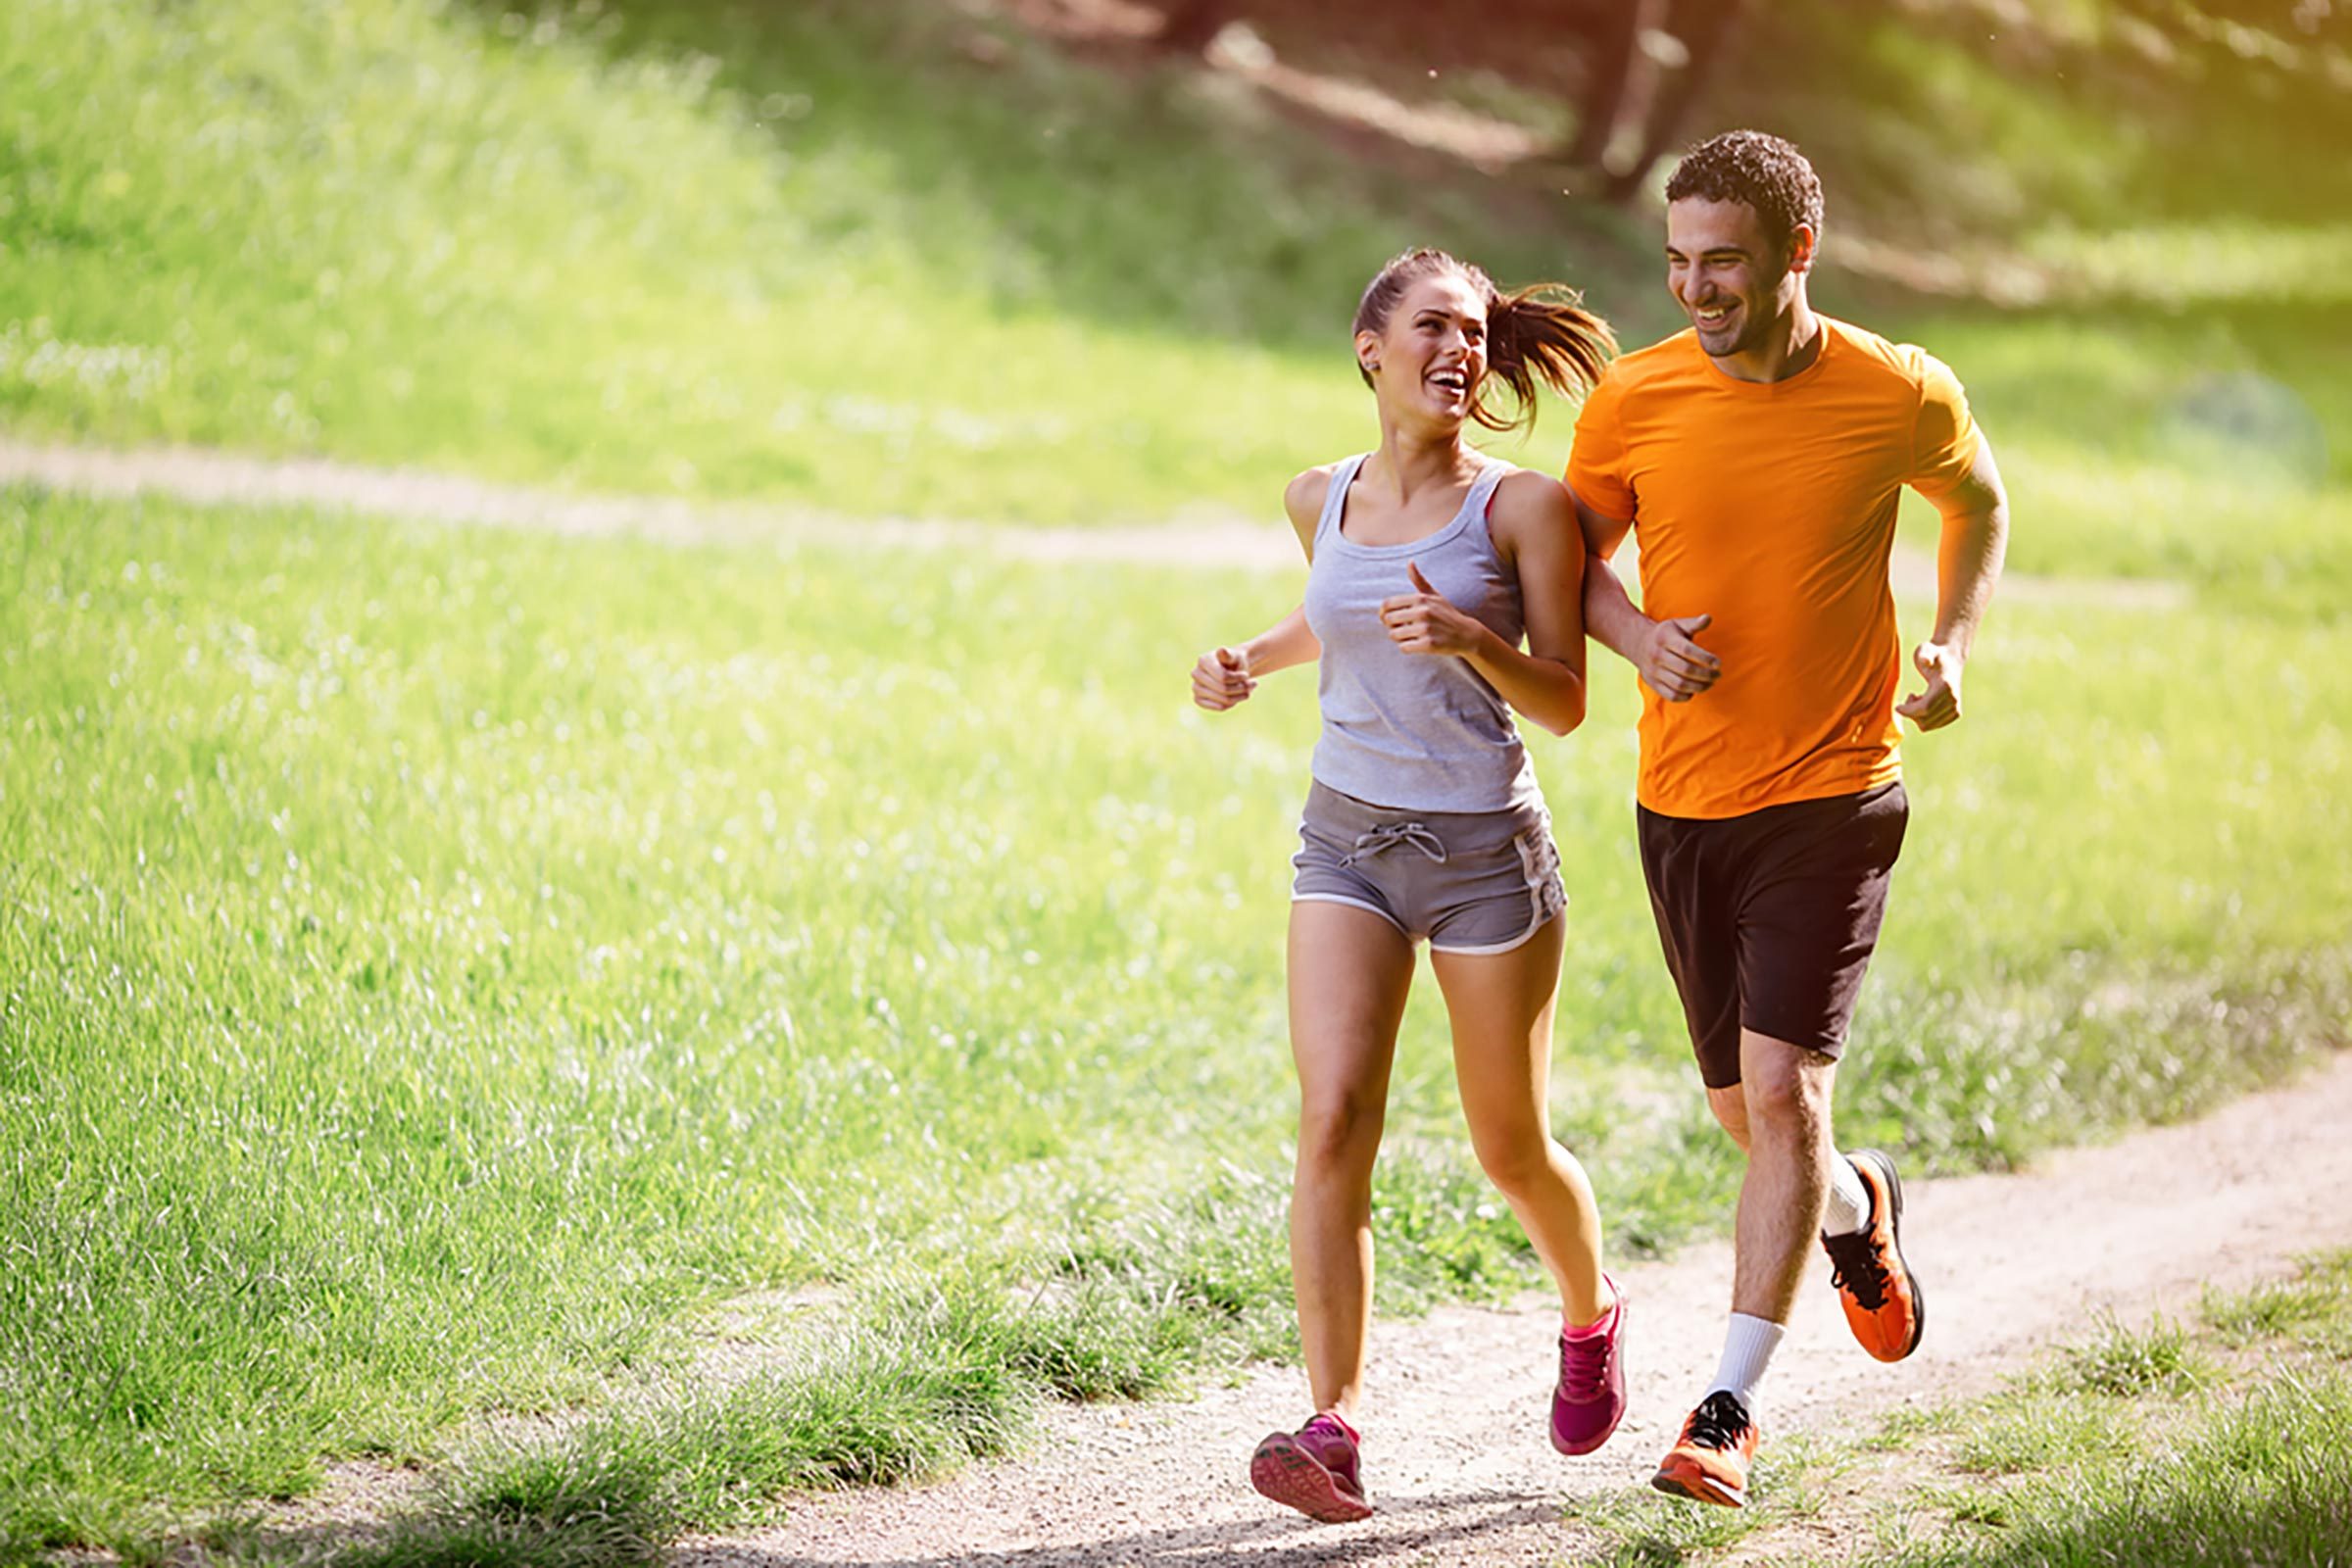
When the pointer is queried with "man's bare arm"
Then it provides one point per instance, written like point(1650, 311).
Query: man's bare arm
point(1968, 567)
point(1670, 662)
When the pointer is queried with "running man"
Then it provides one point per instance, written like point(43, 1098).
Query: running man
point(1759, 457)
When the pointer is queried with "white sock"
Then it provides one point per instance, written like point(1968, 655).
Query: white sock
point(1849, 1207)
point(1747, 1347)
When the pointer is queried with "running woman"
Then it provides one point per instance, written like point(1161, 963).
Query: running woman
point(1429, 565)
point(1758, 457)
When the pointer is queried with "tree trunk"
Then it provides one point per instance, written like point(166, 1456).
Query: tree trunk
point(1705, 27)
point(1610, 57)
point(1189, 26)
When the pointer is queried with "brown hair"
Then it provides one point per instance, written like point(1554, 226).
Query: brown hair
point(1760, 169)
point(1536, 333)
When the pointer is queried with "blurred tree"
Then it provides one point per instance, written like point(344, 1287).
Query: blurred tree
point(1671, 48)
point(1614, 47)
point(2176, 95)
point(1644, 64)
point(1190, 26)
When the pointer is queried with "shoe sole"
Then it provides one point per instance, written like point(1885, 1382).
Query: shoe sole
point(1895, 1234)
point(1589, 1445)
point(1699, 1487)
point(1285, 1473)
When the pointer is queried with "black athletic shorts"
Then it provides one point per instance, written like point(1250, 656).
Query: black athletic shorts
point(1769, 920)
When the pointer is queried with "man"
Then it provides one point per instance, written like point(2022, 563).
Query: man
point(1760, 457)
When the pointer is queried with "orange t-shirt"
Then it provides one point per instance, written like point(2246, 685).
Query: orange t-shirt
point(1770, 506)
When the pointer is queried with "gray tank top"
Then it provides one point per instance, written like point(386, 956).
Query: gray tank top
point(1420, 733)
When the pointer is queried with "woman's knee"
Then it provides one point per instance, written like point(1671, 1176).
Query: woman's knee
point(1515, 1151)
point(1339, 1134)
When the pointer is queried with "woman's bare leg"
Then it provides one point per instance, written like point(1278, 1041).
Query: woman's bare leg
point(1349, 970)
point(1501, 1004)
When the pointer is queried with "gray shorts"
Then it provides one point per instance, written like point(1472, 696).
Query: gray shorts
point(1467, 881)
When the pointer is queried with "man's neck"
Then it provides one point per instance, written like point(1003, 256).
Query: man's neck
point(1788, 348)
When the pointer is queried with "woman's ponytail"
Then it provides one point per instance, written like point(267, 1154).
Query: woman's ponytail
point(1542, 333)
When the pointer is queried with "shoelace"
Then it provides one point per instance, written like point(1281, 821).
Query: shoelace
point(1859, 1267)
point(1394, 833)
point(1585, 1365)
point(1719, 1422)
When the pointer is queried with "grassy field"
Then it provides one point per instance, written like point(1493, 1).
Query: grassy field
point(2223, 1439)
point(699, 247)
point(2212, 446)
point(443, 971)
point(407, 233)
point(442, 964)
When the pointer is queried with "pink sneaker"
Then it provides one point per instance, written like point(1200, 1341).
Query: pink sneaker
point(1590, 1398)
point(1312, 1470)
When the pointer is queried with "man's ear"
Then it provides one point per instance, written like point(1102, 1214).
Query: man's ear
point(1804, 246)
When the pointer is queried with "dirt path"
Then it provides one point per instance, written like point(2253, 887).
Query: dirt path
point(1456, 1456)
point(222, 478)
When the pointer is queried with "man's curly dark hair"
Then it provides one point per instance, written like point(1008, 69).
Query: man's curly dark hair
point(1760, 169)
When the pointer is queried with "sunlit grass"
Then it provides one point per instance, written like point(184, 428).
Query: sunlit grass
point(2140, 1445)
point(441, 963)
point(2315, 1309)
point(415, 234)
point(2192, 264)
point(2213, 449)
point(2154, 1442)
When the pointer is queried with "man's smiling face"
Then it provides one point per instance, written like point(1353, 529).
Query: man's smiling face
point(1729, 275)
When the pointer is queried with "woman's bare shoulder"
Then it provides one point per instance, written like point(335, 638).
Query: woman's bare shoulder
point(1528, 502)
point(1302, 499)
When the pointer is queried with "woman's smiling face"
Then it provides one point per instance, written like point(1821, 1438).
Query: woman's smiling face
point(1432, 355)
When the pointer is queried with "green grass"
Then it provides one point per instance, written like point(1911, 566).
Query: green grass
point(925, 1379)
point(703, 247)
point(444, 964)
point(2213, 448)
point(2313, 1309)
point(580, 249)
point(2166, 1443)
point(2159, 1358)
point(441, 972)
point(1640, 1528)
point(2158, 1446)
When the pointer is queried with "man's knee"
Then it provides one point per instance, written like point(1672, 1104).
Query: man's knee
point(1784, 1088)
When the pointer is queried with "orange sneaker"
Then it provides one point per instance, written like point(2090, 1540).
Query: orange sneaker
point(1710, 1462)
point(1883, 1304)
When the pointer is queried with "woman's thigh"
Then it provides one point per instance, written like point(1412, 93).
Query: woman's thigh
point(1501, 1006)
point(1350, 972)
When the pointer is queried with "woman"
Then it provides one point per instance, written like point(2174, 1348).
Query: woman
point(1428, 565)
